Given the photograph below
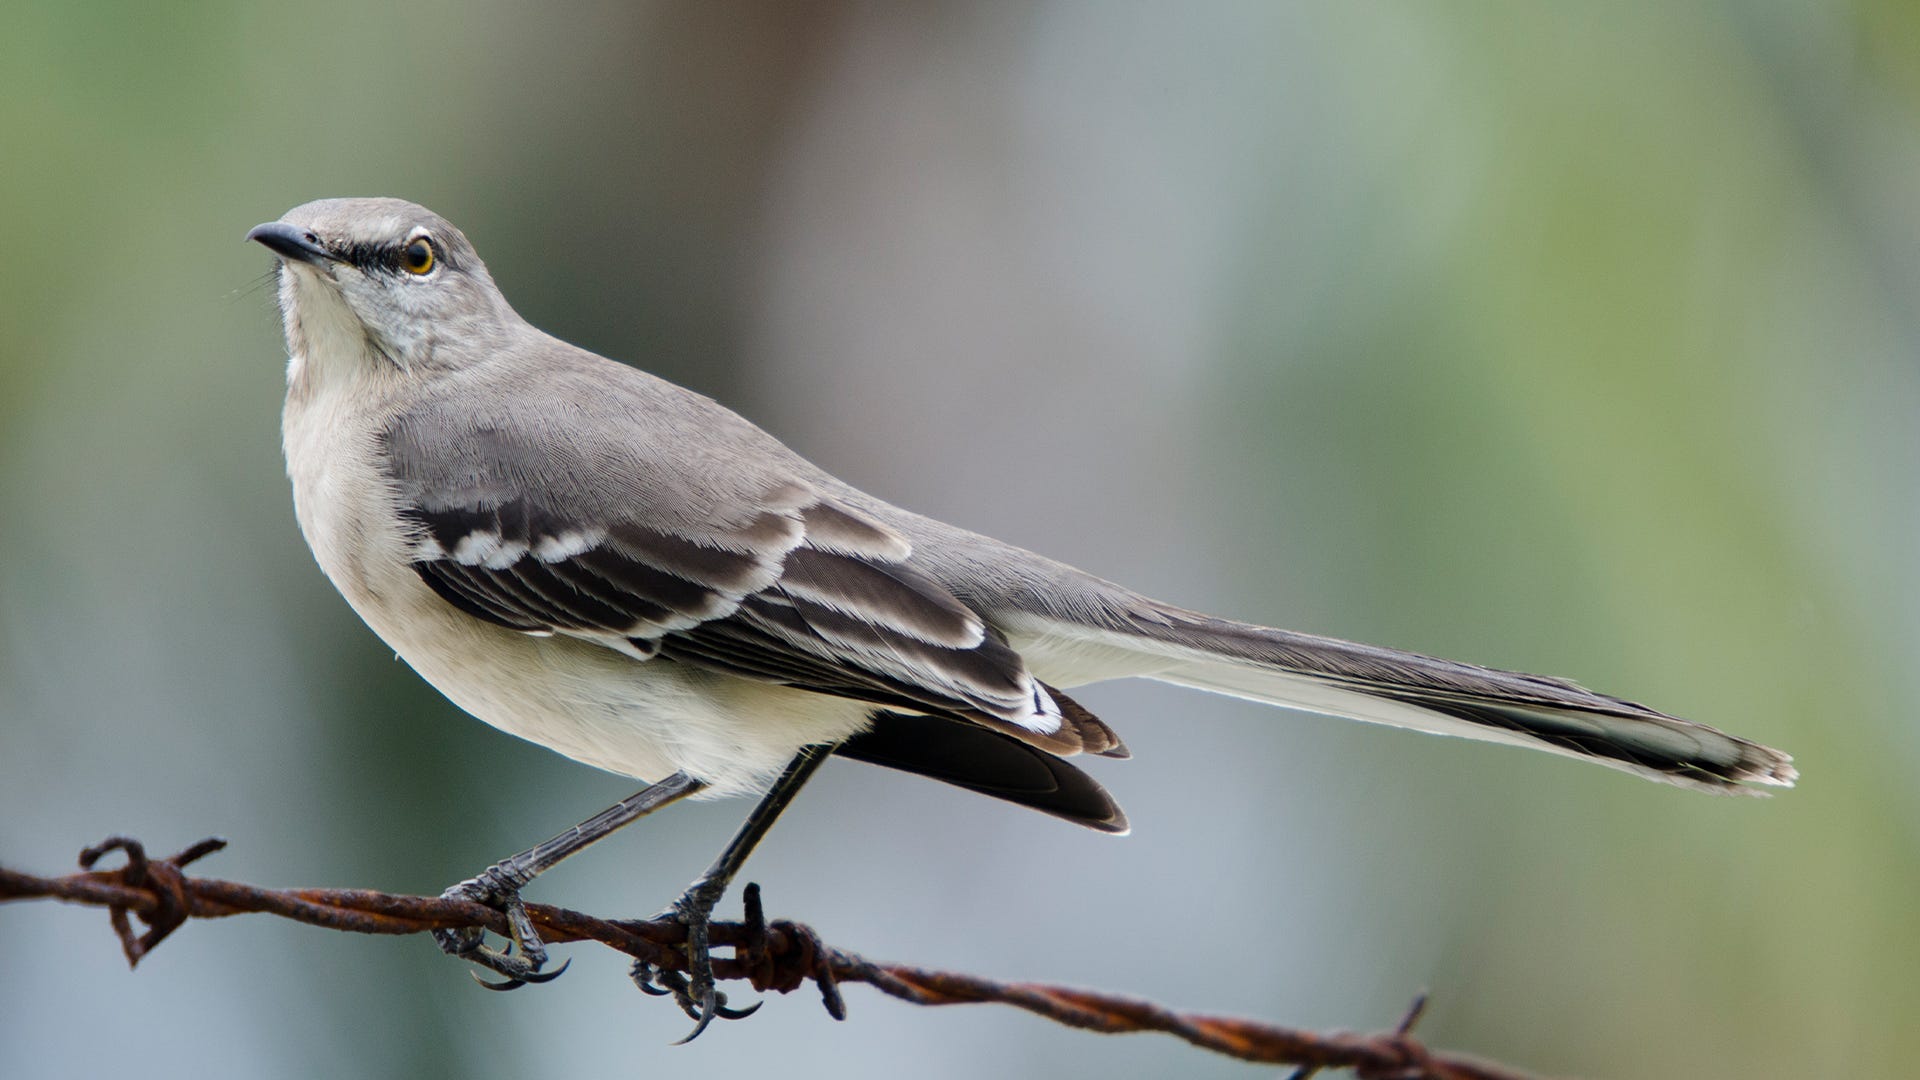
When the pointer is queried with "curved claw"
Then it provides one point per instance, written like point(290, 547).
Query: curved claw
point(503, 984)
point(646, 976)
point(518, 977)
point(663, 982)
point(698, 1027)
point(548, 976)
point(715, 1008)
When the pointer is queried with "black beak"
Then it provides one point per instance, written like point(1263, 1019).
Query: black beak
point(291, 242)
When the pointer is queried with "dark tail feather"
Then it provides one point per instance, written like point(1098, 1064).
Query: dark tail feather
point(983, 760)
point(1404, 689)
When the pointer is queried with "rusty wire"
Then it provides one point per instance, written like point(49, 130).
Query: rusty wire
point(771, 956)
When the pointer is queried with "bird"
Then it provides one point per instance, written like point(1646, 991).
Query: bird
point(629, 573)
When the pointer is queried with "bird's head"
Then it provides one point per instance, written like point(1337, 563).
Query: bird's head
point(381, 280)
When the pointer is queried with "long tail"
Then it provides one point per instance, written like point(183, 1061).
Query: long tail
point(1386, 686)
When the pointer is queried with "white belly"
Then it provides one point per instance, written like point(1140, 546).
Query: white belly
point(638, 718)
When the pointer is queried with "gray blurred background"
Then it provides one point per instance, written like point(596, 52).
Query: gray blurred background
point(1580, 342)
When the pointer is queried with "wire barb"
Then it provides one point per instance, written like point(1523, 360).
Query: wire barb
point(778, 956)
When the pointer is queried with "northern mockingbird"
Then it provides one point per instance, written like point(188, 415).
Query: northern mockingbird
point(626, 572)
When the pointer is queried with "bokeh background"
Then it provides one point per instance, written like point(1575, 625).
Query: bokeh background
point(1575, 341)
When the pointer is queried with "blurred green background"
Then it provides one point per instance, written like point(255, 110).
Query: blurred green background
point(1575, 341)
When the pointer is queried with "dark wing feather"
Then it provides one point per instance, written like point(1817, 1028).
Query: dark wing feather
point(508, 565)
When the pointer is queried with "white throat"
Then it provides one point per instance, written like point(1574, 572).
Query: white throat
point(327, 342)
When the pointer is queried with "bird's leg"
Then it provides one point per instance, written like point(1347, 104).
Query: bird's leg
point(695, 990)
point(499, 885)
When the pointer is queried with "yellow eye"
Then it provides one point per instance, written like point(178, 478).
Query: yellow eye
point(417, 256)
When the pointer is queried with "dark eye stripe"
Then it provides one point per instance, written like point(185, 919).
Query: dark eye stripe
point(388, 258)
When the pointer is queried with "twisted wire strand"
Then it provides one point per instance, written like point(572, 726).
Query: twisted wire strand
point(777, 956)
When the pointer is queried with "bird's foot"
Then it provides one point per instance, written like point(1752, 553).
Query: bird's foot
point(496, 890)
point(693, 989)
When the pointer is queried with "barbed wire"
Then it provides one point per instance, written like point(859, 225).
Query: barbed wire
point(773, 956)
